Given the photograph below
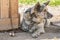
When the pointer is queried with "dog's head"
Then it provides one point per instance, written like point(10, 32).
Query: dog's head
point(41, 9)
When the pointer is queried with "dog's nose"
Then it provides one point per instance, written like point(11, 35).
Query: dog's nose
point(49, 15)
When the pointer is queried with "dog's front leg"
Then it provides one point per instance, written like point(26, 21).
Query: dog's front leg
point(39, 30)
point(33, 29)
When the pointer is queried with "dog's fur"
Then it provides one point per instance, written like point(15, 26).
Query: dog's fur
point(34, 19)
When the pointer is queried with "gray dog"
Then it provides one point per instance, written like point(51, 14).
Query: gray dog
point(35, 18)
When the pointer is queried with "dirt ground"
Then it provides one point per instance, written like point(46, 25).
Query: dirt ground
point(50, 34)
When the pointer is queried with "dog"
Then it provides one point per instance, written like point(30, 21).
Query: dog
point(35, 19)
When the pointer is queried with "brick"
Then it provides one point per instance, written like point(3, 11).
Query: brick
point(4, 8)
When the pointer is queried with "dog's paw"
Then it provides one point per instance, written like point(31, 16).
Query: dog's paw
point(35, 35)
point(42, 32)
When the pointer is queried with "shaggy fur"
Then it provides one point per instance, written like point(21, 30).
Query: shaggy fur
point(34, 19)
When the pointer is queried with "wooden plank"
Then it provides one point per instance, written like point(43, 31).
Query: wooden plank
point(14, 8)
point(8, 7)
point(5, 23)
point(0, 8)
point(15, 22)
point(4, 8)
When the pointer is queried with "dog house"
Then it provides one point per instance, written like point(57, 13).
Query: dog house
point(9, 18)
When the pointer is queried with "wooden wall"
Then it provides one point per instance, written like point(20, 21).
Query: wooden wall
point(14, 8)
point(0, 9)
point(8, 14)
point(4, 8)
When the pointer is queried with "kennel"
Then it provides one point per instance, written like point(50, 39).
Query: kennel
point(8, 14)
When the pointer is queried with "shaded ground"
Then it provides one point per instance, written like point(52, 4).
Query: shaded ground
point(50, 34)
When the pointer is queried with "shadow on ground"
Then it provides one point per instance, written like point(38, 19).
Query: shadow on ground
point(50, 34)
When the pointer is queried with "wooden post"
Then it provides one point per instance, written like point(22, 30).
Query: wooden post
point(8, 14)
point(0, 9)
point(14, 8)
point(13, 13)
point(4, 8)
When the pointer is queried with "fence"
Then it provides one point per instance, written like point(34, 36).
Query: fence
point(8, 14)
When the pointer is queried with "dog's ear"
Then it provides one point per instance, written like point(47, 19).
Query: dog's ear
point(37, 6)
point(46, 3)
